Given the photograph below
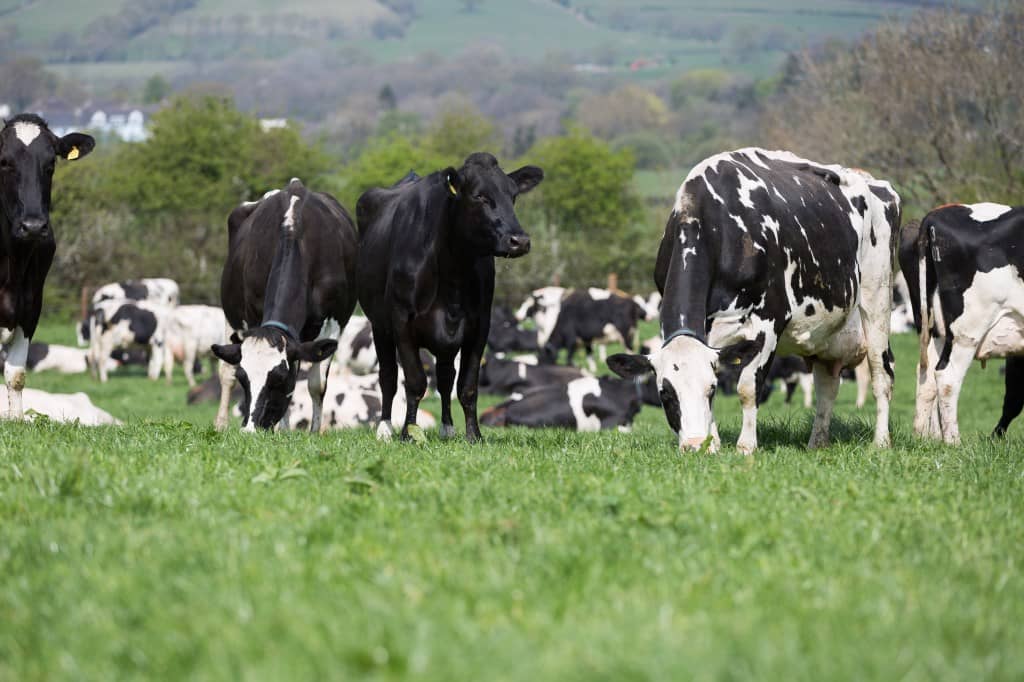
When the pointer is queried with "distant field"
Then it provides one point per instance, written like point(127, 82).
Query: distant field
point(163, 549)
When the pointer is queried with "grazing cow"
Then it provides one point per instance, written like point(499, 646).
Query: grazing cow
point(765, 252)
point(965, 272)
point(63, 407)
point(426, 277)
point(500, 376)
point(28, 152)
point(154, 289)
point(127, 324)
point(506, 335)
point(287, 292)
point(585, 404)
point(192, 330)
point(591, 315)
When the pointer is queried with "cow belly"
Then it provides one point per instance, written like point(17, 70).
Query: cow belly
point(1006, 337)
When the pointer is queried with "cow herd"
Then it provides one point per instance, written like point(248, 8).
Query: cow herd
point(771, 268)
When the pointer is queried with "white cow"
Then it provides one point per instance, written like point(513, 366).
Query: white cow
point(191, 331)
point(62, 407)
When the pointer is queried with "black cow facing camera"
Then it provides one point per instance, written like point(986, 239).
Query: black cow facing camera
point(426, 276)
point(28, 153)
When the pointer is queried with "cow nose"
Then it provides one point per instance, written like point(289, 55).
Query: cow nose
point(33, 226)
point(519, 243)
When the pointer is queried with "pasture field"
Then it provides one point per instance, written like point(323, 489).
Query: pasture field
point(165, 550)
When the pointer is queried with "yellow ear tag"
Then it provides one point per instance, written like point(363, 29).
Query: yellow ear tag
point(73, 154)
point(737, 361)
point(451, 188)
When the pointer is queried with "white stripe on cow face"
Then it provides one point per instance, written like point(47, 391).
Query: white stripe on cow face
point(578, 389)
point(260, 359)
point(686, 367)
point(26, 132)
point(986, 211)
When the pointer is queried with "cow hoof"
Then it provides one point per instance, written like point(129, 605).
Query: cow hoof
point(447, 431)
point(746, 449)
point(474, 437)
point(817, 442)
point(384, 431)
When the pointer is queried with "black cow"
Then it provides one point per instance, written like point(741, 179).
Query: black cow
point(589, 315)
point(287, 292)
point(765, 252)
point(28, 152)
point(426, 277)
point(585, 404)
point(970, 306)
point(500, 376)
point(506, 335)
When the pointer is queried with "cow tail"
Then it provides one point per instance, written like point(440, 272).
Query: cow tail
point(923, 244)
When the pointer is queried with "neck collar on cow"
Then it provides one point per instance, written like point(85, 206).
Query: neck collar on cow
point(286, 328)
point(682, 332)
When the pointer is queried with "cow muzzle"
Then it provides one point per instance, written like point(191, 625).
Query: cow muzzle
point(515, 245)
point(32, 229)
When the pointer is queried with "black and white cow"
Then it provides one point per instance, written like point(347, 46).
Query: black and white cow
point(192, 331)
point(426, 277)
point(155, 289)
point(506, 335)
point(767, 252)
point(584, 404)
point(28, 153)
point(117, 325)
point(542, 306)
point(965, 271)
point(355, 348)
point(43, 357)
point(589, 316)
point(287, 291)
point(651, 305)
point(502, 376)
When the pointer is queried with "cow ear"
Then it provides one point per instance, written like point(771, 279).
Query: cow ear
point(230, 353)
point(740, 353)
point(316, 351)
point(235, 338)
point(526, 178)
point(628, 366)
point(452, 181)
point(75, 145)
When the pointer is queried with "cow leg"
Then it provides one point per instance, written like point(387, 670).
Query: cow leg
point(156, 359)
point(826, 386)
point(948, 382)
point(790, 390)
point(190, 361)
point(1013, 399)
point(926, 408)
point(807, 388)
point(591, 365)
point(876, 314)
point(104, 346)
point(862, 373)
point(387, 367)
point(14, 372)
point(468, 382)
point(317, 384)
point(415, 381)
point(445, 382)
point(748, 389)
point(227, 384)
point(168, 360)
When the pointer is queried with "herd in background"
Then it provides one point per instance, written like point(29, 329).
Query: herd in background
point(772, 269)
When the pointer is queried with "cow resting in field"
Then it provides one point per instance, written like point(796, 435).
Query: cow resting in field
point(426, 277)
point(766, 252)
point(28, 154)
point(965, 270)
point(287, 291)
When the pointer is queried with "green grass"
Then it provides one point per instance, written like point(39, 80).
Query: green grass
point(165, 550)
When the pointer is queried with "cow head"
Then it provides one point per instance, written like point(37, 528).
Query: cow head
point(28, 152)
point(685, 371)
point(266, 364)
point(485, 196)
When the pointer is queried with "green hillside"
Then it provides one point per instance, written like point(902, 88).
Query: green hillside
point(175, 35)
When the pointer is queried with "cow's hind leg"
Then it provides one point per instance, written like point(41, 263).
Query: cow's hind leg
point(826, 388)
point(445, 383)
point(862, 375)
point(14, 372)
point(415, 382)
point(948, 382)
point(1013, 399)
point(926, 405)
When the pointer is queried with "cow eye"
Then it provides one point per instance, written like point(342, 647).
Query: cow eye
point(6, 165)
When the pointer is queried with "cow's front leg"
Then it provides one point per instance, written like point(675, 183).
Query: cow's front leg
point(445, 382)
point(1013, 398)
point(14, 372)
point(468, 382)
point(227, 384)
point(826, 388)
point(749, 386)
point(415, 381)
point(317, 384)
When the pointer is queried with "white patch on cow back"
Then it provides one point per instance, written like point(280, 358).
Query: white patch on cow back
point(987, 210)
point(289, 215)
point(577, 390)
point(26, 132)
point(599, 294)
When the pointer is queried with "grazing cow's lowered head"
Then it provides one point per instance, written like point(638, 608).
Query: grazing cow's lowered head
point(485, 217)
point(266, 364)
point(28, 153)
point(685, 369)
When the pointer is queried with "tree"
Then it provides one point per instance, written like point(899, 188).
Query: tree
point(156, 90)
point(627, 109)
point(23, 82)
point(460, 129)
point(385, 161)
